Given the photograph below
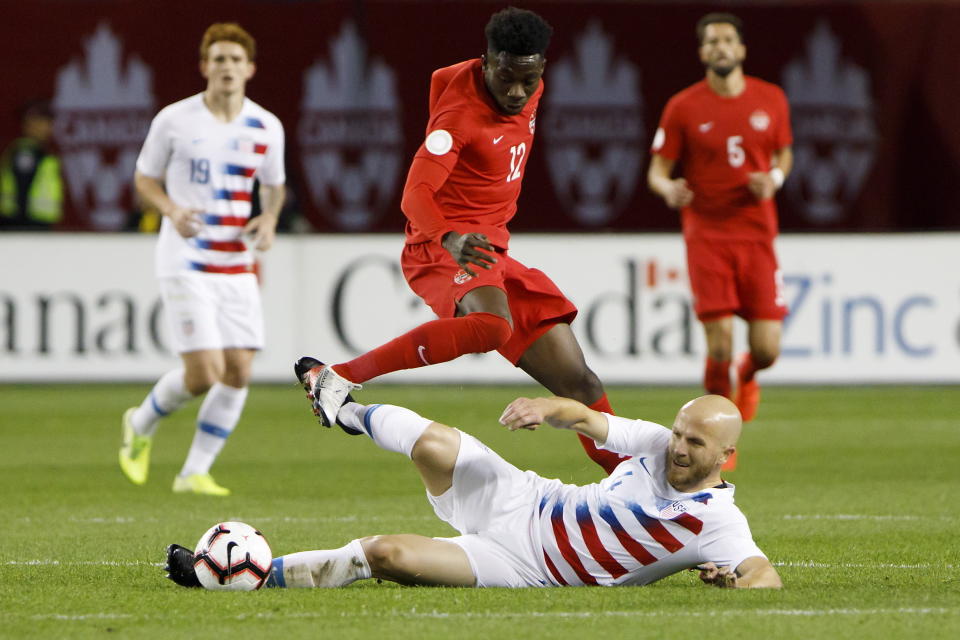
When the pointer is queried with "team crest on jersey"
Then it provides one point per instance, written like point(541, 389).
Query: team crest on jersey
point(593, 128)
point(760, 120)
point(672, 510)
point(102, 111)
point(834, 128)
point(350, 133)
point(533, 121)
point(461, 276)
point(187, 327)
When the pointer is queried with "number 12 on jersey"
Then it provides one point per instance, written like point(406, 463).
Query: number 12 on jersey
point(517, 154)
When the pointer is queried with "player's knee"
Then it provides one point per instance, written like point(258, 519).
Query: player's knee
point(437, 447)
point(764, 357)
point(237, 377)
point(199, 381)
point(386, 555)
point(197, 388)
point(492, 331)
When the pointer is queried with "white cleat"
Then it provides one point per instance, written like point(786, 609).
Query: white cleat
point(326, 389)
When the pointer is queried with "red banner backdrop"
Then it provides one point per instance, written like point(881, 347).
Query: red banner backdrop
point(873, 90)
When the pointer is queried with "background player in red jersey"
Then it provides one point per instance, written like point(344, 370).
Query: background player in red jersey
point(731, 134)
point(460, 194)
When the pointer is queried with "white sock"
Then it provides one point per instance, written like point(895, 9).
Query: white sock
point(168, 395)
point(216, 420)
point(391, 427)
point(325, 568)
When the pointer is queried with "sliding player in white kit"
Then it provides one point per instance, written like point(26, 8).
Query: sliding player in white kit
point(662, 511)
point(197, 168)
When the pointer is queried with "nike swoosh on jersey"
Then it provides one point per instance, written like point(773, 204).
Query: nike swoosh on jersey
point(706, 126)
point(644, 465)
point(497, 140)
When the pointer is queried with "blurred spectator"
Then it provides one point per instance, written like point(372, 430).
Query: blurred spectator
point(31, 185)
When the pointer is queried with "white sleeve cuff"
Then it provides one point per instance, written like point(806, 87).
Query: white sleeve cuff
point(619, 432)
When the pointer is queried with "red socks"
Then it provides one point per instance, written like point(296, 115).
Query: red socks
point(606, 459)
point(432, 342)
point(716, 377)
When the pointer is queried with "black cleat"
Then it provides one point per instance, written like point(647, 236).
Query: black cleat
point(302, 367)
point(180, 566)
point(310, 373)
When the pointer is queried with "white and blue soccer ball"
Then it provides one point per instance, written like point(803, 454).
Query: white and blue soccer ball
point(232, 556)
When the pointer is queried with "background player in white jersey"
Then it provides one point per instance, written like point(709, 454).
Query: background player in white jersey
point(197, 167)
point(664, 510)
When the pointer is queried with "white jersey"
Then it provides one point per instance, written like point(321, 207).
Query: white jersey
point(210, 165)
point(633, 527)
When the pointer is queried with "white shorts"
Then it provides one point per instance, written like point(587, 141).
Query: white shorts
point(494, 505)
point(213, 311)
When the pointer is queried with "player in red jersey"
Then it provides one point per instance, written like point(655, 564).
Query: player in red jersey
point(460, 194)
point(731, 134)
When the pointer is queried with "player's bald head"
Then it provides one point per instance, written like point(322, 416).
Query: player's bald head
point(716, 415)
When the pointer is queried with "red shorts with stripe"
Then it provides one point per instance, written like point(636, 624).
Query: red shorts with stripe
point(536, 303)
point(739, 277)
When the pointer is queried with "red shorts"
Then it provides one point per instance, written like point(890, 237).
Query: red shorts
point(739, 277)
point(536, 304)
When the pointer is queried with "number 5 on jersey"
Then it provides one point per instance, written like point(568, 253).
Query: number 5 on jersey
point(517, 154)
point(735, 152)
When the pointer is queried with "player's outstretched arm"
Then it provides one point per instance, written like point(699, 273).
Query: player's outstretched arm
point(561, 413)
point(753, 573)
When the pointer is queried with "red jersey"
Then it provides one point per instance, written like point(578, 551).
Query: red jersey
point(718, 141)
point(471, 162)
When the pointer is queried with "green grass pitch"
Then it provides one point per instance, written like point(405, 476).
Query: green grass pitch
point(852, 492)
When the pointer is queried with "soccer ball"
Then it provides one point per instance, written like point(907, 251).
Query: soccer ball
point(232, 556)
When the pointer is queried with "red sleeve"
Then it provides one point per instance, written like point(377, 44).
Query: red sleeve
point(668, 141)
point(784, 136)
point(425, 177)
point(431, 166)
